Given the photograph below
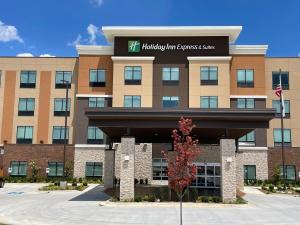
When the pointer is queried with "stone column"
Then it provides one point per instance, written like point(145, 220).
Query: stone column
point(127, 169)
point(228, 170)
point(108, 169)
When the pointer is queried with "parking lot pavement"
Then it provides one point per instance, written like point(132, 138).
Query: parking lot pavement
point(42, 208)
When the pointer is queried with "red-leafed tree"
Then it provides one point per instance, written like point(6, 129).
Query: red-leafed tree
point(181, 168)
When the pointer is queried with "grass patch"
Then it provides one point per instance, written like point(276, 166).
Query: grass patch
point(52, 187)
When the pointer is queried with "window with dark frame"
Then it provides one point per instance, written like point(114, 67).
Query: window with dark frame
point(56, 169)
point(28, 79)
point(284, 80)
point(96, 102)
point(209, 75)
point(26, 106)
point(248, 139)
point(276, 104)
point(245, 103)
point(245, 78)
point(159, 169)
point(207, 176)
point(58, 135)
point(278, 138)
point(97, 78)
point(208, 102)
point(94, 169)
point(60, 107)
point(170, 75)
point(61, 76)
point(170, 101)
point(18, 168)
point(132, 101)
point(24, 134)
point(133, 75)
point(290, 172)
point(95, 135)
point(249, 172)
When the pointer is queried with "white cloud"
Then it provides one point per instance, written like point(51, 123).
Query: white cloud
point(97, 3)
point(47, 55)
point(77, 41)
point(299, 54)
point(93, 31)
point(9, 33)
point(25, 54)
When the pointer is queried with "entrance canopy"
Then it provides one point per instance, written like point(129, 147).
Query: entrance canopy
point(150, 125)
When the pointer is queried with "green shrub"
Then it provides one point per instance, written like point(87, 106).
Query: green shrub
point(138, 199)
point(85, 183)
point(271, 187)
point(149, 198)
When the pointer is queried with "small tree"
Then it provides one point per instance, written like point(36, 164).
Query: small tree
point(35, 169)
point(181, 167)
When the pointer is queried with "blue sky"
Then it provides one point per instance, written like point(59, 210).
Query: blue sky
point(53, 26)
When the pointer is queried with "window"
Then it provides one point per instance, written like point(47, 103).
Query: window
point(170, 75)
point(98, 102)
point(209, 102)
point(60, 107)
point(245, 78)
point(132, 101)
point(286, 137)
point(26, 107)
point(209, 75)
point(245, 103)
point(24, 134)
point(159, 169)
point(170, 101)
point(208, 175)
point(94, 169)
point(62, 76)
point(249, 172)
point(18, 168)
point(95, 135)
point(56, 169)
point(133, 74)
point(276, 104)
point(289, 172)
point(28, 79)
point(248, 139)
point(58, 135)
point(284, 80)
point(97, 78)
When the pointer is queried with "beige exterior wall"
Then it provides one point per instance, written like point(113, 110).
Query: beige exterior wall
point(144, 90)
point(222, 90)
point(38, 65)
point(292, 65)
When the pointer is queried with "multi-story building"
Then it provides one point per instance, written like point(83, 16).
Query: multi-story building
point(125, 99)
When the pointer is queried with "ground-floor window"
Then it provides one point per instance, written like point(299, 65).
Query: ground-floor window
point(159, 169)
point(290, 172)
point(18, 168)
point(56, 169)
point(208, 175)
point(249, 172)
point(94, 169)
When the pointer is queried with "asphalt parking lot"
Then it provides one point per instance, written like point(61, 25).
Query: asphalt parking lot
point(24, 204)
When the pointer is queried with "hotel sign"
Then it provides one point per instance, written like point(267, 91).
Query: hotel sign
point(171, 49)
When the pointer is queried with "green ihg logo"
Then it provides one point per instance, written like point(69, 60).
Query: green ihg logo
point(134, 46)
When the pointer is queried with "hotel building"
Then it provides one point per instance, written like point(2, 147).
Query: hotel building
point(126, 98)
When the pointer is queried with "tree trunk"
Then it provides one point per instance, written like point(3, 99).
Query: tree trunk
point(181, 195)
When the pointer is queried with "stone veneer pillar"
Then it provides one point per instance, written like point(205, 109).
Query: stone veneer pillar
point(109, 169)
point(228, 170)
point(127, 169)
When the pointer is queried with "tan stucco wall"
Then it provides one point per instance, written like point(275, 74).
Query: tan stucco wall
point(292, 65)
point(222, 90)
point(144, 90)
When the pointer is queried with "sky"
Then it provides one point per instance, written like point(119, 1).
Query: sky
point(54, 27)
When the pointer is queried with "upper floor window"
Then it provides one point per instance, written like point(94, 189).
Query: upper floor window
point(58, 135)
point(96, 102)
point(95, 135)
point(278, 137)
point(170, 75)
point(133, 74)
point(62, 79)
point(209, 75)
point(245, 78)
point(56, 169)
point(248, 139)
point(24, 134)
point(132, 101)
point(60, 107)
point(97, 78)
point(160, 169)
point(284, 80)
point(18, 168)
point(94, 169)
point(245, 103)
point(28, 79)
point(170, 101)
point(26, 107)
point(209, 102)
point(276, 104)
